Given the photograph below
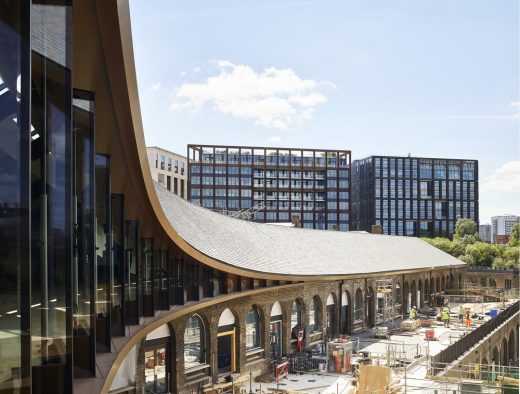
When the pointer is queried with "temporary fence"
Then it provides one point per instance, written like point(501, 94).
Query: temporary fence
point(337, 357)
point(474, 378)
point(305, 362)
point(423, 386)
point(481, 372)
point(396, 353)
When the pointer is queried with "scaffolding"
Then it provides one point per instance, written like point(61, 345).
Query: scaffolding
point(243, 214)
point(248, 214)
point(385, 300)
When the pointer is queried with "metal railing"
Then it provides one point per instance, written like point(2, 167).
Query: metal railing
point(305, 362)
point(512, 293)
point(487, 269)
point(395, 352)
point(457, 349)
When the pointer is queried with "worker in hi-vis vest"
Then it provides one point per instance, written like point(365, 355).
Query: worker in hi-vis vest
point(413, 313)
point(445, 317)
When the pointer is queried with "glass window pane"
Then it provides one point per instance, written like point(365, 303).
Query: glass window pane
point(14, 192)
point(103, 252)
point(149, 371)
point(252, 329)
point(295, 314)
point(84, 269)
point(194, 342)
point(51, 192)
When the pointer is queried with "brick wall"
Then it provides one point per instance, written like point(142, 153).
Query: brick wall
point(261, 363)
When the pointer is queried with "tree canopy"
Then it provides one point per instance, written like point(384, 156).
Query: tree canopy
point(514, 238)
point(467, 247)
point(465, 227)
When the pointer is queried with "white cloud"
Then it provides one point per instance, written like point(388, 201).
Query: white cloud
point(505, 178)
point(274, 138)
point(308, 100)
point(273, 98)
point(515, 104)
point(154, 87)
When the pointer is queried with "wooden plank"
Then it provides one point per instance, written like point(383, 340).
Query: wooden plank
point(373, 378)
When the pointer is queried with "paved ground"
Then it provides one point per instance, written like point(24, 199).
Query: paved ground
point(412, 345)
point(308, 383)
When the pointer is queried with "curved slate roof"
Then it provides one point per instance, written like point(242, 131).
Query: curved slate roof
point(296, 251)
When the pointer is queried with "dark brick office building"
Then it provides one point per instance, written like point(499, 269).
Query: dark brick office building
point(313, 185)
point(413, 196)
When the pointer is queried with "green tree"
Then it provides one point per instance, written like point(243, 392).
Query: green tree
point(465, 227)
point(483, 253)
point(455, 248)
point(468, 239)
point(512, 257)
point(514, 238)
point(499, 263)
point(468, 259)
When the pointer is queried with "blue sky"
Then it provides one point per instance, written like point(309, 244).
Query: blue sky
point(431, 78)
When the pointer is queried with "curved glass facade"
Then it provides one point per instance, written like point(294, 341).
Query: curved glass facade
point(14, 195)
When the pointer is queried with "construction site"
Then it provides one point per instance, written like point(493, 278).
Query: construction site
point(465, 342)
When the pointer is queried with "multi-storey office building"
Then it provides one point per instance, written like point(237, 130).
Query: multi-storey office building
point(110, 283)
point(311, 184)
point(413, 196)
point(501, 227)
point(484, 233)
point(168, 169)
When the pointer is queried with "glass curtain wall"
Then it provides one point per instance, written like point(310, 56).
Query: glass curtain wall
point(157, 276)
point(51, 195)
point(164, 280)
point(176, 280)
point(118, 264)
point(15, 345)
point(83, 324)
point(133, 300)
point(147, 276)
point(103, 253)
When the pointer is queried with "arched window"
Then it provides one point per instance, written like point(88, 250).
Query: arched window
point(358, 305)
point(226, 342)
point(194, 342)
point(345, 313)
point(275, 329)
point(413, 294)
point(330, 318)
point(253, 329)
point(314, 315)
point(296, 315)
point(398, 293)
